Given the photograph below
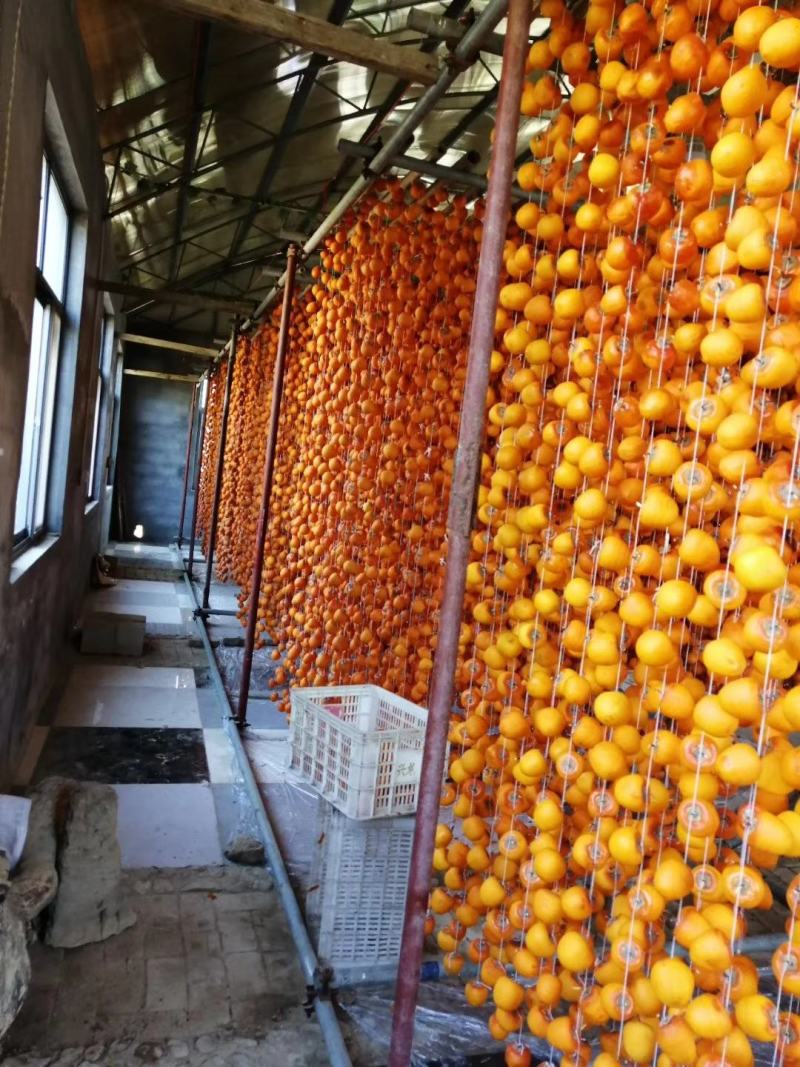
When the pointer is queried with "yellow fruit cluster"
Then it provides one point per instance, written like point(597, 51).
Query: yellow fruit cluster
point(624, 773)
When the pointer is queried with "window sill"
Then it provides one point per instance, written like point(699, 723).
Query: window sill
point(91, 505)
point(30, 557)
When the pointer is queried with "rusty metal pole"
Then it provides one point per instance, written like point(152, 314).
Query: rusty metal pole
point(198, 464)
point(266, 492)
point(192, 409)
point(223, 437)
point(462, 496)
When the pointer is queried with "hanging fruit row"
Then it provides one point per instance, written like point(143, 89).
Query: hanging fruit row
point(356, 537)
point(625, 774)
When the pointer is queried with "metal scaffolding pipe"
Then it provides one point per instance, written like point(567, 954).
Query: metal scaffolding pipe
point(192, 409)
point(450, 175)
point(464, 52)
point(461, 57)
point(466, 470)
point(450, 30)
point(198, 462)
point(312, 971)
point(223, 438)
point(266, 491)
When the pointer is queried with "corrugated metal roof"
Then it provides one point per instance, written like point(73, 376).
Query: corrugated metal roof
point(163, 81)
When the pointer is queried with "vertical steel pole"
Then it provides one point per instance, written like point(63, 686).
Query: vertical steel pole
point(462, 496)
point(223, 437)
point(192, 408)
point(198, 466)
point(266, 492)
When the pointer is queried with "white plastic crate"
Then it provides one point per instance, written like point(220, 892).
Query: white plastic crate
point(360, 746)
point(358, 894)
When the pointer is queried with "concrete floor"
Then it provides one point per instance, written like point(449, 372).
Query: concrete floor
point(209, 962)
point(208, 975)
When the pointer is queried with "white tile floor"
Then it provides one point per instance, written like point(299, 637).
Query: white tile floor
point(159, 825)
point(94, 674)
point(159, 602)
point(167, 825)
point(125, 705)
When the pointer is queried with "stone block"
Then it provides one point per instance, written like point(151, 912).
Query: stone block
point(89, 905)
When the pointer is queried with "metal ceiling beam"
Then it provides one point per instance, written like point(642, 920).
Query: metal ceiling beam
point(131, 109)
point(305, 84)
point(452, 176)
point(317, 35)
point(402, 135)
point(464, 123)
point(232, 157)
point(202, 41)
point(454, 9)
point(208, 301)
point(217, 104)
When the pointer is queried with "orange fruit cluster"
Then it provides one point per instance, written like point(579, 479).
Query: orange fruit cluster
point(356, 537)
point(624, 771)
point(209, 448)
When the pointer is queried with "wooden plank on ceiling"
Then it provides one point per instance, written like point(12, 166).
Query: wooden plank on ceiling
point(205, 301)
point(316, 35)
point(175, 346)
point(162, 375)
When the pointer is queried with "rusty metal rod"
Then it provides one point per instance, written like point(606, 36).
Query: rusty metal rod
point(223, 437)
point(266, 492)
point(198, 464)
point(466, 470)
point(192, 409)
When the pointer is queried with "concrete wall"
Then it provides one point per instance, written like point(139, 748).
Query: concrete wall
point(45, 95)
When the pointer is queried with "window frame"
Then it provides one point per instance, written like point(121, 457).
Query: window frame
point(95, 481)
point(49, 362)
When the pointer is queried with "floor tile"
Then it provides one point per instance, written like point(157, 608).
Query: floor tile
point(130, 585)
point(135, 599)
point(219, 756)
point(127, 755)
point(33, 750)
point(128, 706)
point(157, 677)
point(167, 826)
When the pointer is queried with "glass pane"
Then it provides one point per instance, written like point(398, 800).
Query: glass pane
point(42, 196)
point(22, 508)
point(56, 237)
point(46, 419)
point(92, 474)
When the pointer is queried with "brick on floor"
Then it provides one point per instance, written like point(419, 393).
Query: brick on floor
point(237, 931)
point(209, 1006)
point(246, 976)
point(123, 986)
point(163, 941)
point(166, 985)
point(198, 912)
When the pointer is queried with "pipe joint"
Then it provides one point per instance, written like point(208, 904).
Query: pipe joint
point(458, 63)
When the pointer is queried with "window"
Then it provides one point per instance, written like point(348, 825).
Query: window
point(101, 391)
point(52, 256)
